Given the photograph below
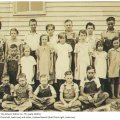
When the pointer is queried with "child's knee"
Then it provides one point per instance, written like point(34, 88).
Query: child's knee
point(81, 98)
point(4, 104)
point(52, 100)
point(56, 105)
point(106, 95)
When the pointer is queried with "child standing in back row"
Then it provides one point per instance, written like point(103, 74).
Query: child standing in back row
point(114, 67)
point(82, 57)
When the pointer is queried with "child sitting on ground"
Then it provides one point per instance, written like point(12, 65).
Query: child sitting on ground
point(45, 94)
point(68, 95)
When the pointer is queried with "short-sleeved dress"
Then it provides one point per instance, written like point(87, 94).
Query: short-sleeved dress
point(114, 63)
point(83, 60)
point(62, 62)
point(101, 64)
point(44, 60)
point(27, 63)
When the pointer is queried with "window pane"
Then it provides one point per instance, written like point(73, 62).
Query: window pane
point(36, 6)
point(22, 6)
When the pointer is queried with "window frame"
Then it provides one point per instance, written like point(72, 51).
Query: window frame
point(29, 13)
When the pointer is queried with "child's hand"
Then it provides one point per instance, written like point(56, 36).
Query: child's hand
point(70, 104)
point(95, 97)
point(66, 105)
point(17, 102)
point(17, 77)
point(76, 69)
point(90, 99)
point(51, 71)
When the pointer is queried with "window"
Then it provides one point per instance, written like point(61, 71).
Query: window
point(29, 8)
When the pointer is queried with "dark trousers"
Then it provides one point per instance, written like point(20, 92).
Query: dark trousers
point(77, 82)
point(13, 75)
point(57, 87)
point(105, 86)
point(33, 53)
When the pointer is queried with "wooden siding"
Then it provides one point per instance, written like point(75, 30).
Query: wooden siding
point(58, 12)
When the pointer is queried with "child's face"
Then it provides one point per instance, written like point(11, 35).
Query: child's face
point(69, 78)
point(44, 40)
point(13, 34)
point(100, 48)
point(33, 26)
point(82, 36)
point(27, 52)
point(44, 80)
point(13, 51)
point(50, 30)
point(62, 40)
point(90, 74)
point(90, 29)
point(5, 80)
point(116, 44)
point(22, 81)
point(68, 26)
point(110, 24)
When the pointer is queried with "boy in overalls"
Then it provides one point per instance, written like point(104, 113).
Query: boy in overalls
point(68, 95)
point(44, 95)
point(6, 93)
point(90, 90)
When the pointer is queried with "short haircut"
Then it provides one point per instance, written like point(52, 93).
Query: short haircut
point(68, 20)
point(14, 29)
point(99, 43)
point(110, 19)
point(4, 76)
point(22, 75)
point(32, 20)
point(50, 25)
point(62, 35)
point(115, 38)
point(43, 76)
point(90, 67)
point(83, 32)
point(90, 24)
point(13, 46)
point(41, 38)
point(68, 73)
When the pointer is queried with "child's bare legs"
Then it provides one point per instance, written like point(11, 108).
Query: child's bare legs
point(112, 88)
point(118, 87)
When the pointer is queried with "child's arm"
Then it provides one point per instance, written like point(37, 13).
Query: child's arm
point(75, 58)
point(84, 94)
point(6, 50)
point(73, 100)
point(19, 70)
point(33, 69)
point(5, 67)
point(38, 58)
point(30, 91)
point(62, 99)
point(70, 57)
point(51, 63)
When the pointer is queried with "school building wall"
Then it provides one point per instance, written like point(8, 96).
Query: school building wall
point(58, 12)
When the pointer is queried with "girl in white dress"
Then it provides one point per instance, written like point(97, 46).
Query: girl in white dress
point(27, 65)
point(100, 63)
point(63, 62)
point(82, 56)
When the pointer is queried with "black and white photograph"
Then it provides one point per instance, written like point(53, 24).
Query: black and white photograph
point(59, 56)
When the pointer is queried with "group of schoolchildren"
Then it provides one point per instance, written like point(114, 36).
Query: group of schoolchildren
point(65, 72)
